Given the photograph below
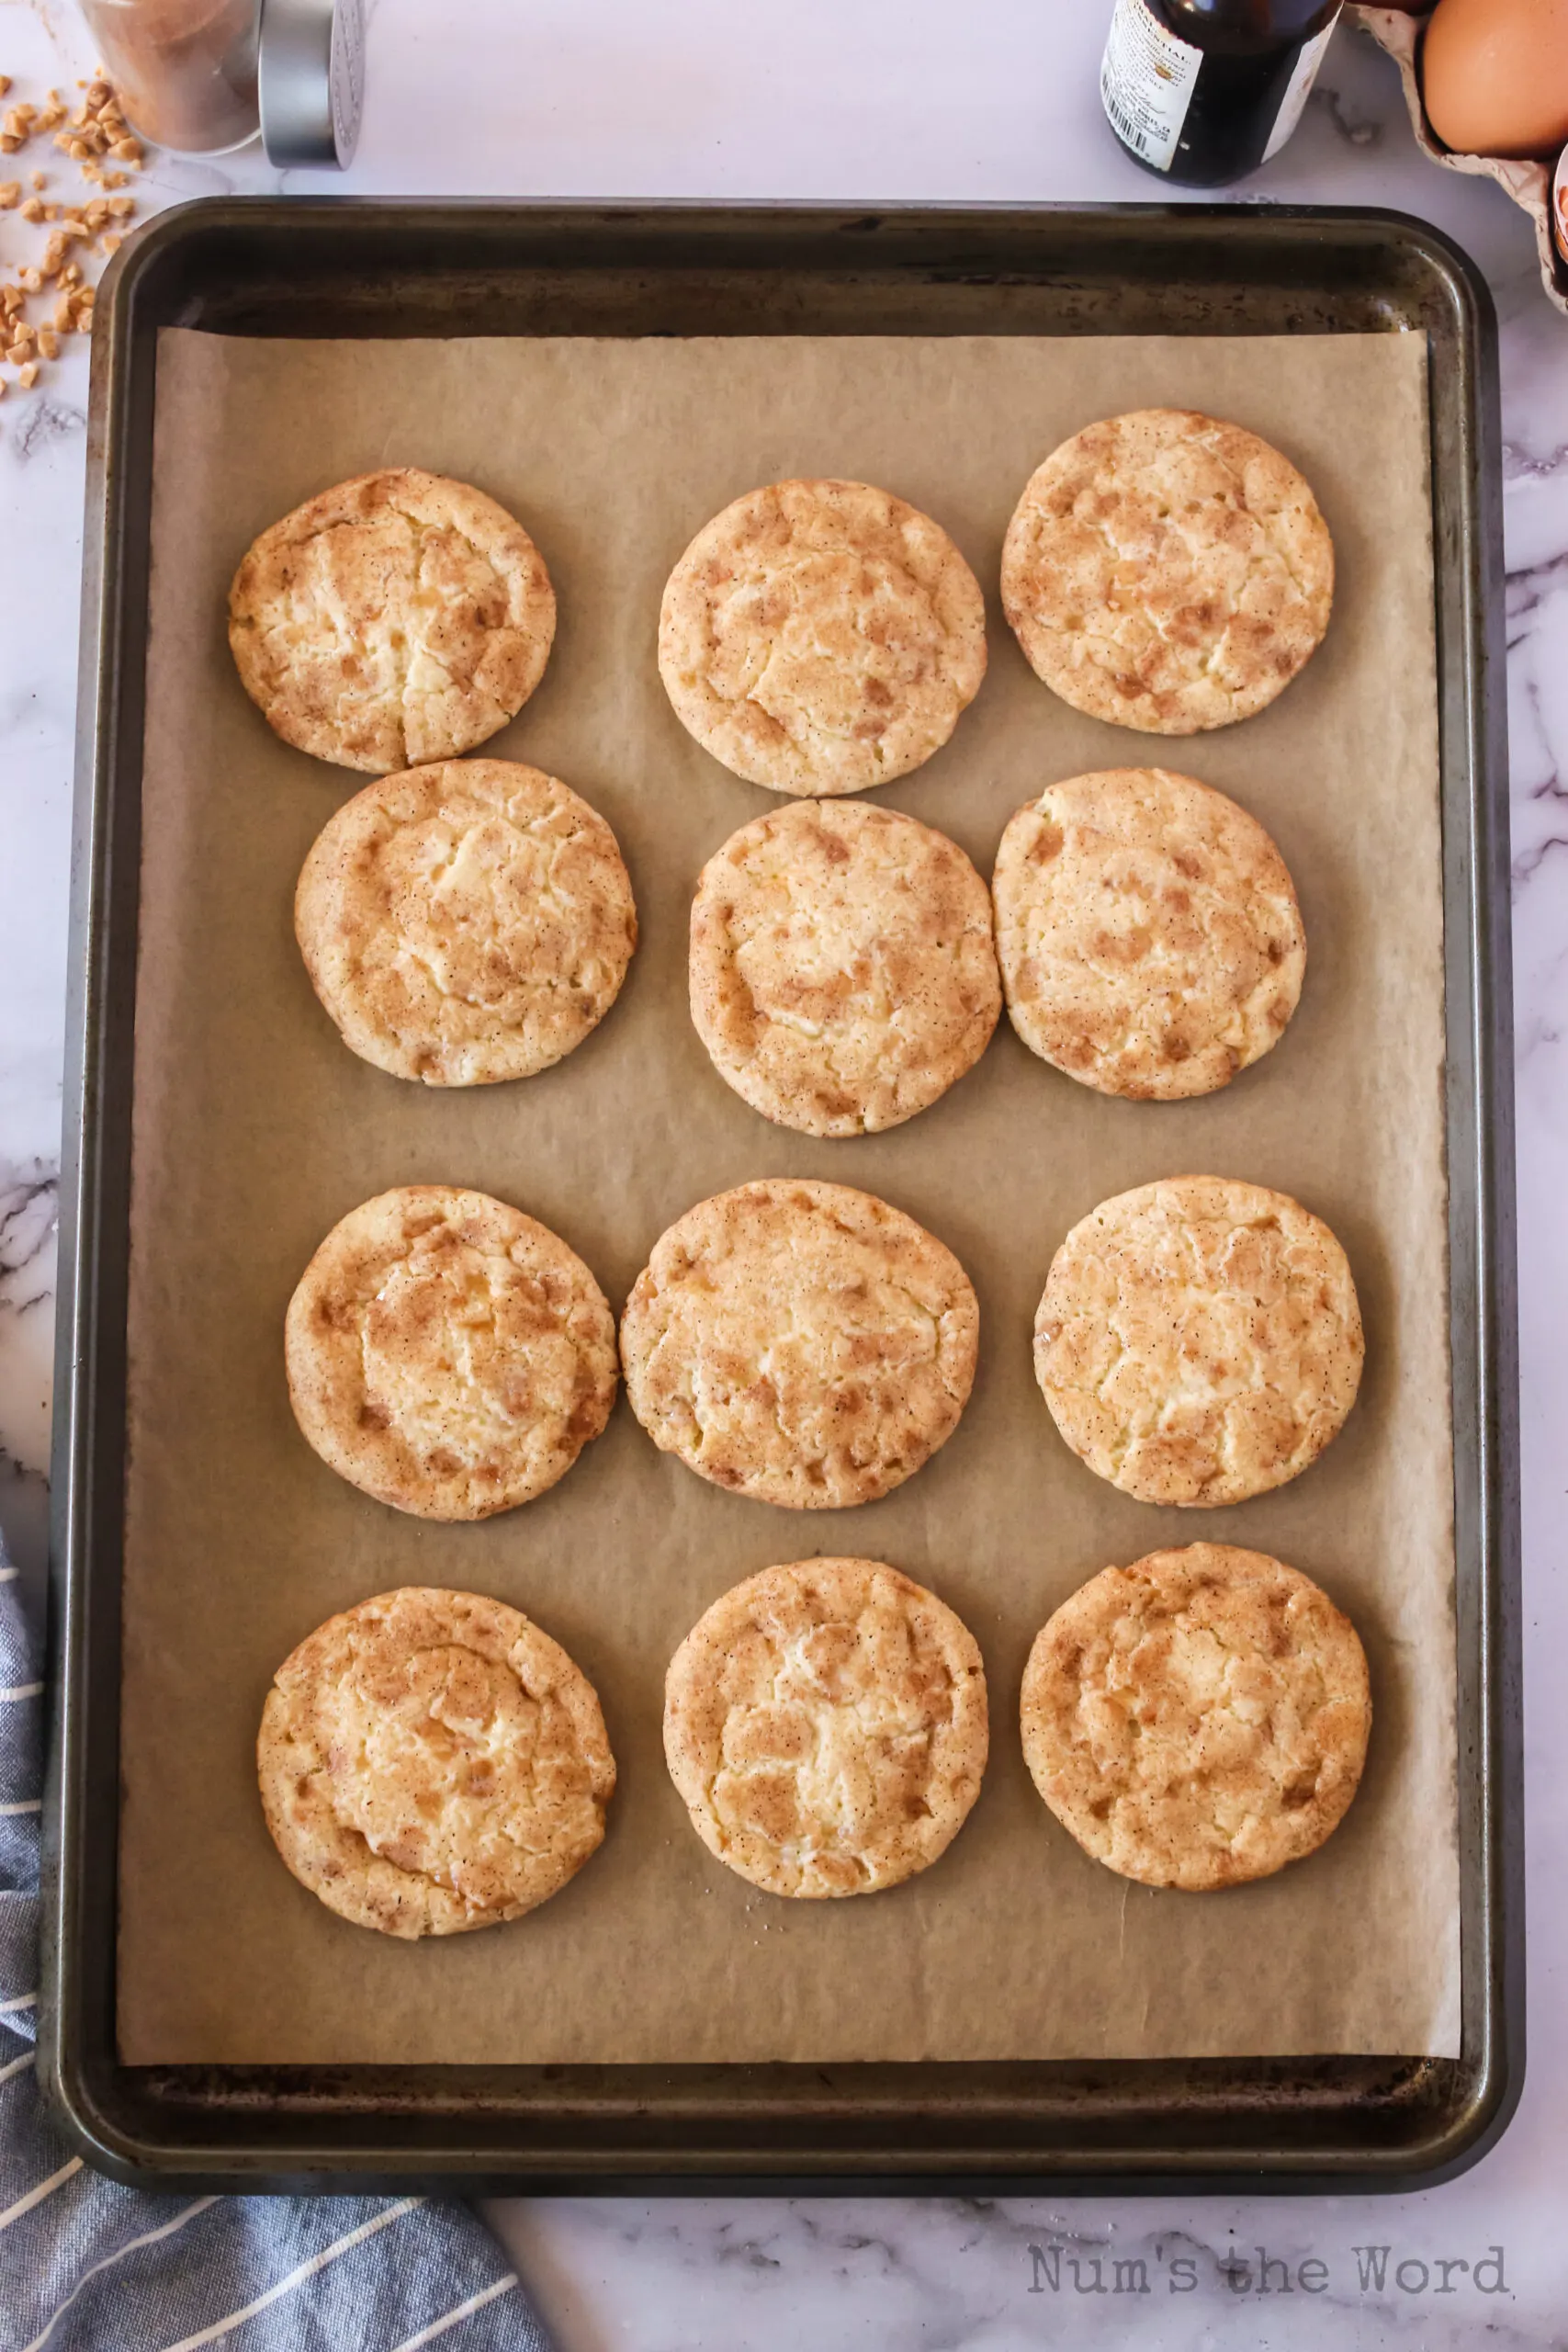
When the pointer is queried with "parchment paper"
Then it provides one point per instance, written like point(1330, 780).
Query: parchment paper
point(255, 1129)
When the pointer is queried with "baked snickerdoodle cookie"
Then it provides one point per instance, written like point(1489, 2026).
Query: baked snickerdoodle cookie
point(390, 620)
point(1168, 571)
point(825, 1722)
point(431, 1761)
point(821, 637)
point(465, 922)
point(1198, 1719)
point(1150, 940)
point(1199, 1339)
point(801, 1344)
point(842, 974)
point(447, 1355)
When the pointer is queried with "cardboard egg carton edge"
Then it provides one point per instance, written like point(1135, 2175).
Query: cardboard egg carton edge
point(1528, 183)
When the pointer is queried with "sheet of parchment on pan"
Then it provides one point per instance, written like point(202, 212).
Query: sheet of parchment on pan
point(255, 1129)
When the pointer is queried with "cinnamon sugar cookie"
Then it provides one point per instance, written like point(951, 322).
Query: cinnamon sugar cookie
point(1150, 940)
point(447, 1355)
point(1198, 1719)
point(804, 1344)
point(821, 637)
point(466, 923)
point(1168, 571)
point(394, 619)
point(843, 973)
point(1199, 1339)
point(431, 1762)
point(825, 1722)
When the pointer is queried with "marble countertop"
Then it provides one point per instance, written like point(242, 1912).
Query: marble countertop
point(887, 101)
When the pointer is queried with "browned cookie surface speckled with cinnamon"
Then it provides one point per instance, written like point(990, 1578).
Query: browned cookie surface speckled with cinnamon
point(804, 1344)
point(465, 922)
point(843, 973)
point(431, 1761)
point(393, 619)
point(1168, 571)
point(447, 1355)
point(821, 637)
point(1150, 940)
point(1198, 1719)
point(825, 1722)
point(1199, 1339)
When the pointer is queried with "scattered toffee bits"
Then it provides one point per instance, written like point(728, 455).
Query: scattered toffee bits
point(94, 136)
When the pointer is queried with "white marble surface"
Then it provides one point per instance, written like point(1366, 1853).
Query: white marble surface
point(881, 100)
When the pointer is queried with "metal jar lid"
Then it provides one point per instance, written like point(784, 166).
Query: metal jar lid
point(310, 80)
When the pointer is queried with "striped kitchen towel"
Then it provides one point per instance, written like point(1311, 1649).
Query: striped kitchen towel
point(86, 2266)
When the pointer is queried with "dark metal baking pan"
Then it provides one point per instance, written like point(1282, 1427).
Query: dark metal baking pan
point(340, 268)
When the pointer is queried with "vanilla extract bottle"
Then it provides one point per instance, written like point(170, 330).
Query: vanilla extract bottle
point(1203, 91)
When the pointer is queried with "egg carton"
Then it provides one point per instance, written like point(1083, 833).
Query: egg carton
point(1528, 183)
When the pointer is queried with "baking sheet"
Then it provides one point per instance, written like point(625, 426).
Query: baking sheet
point(255, 1129)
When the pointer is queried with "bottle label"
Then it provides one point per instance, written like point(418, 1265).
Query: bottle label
point(1298, 89)
point(1147, 81)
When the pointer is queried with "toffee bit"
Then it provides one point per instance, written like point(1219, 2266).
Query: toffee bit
point(93, 133)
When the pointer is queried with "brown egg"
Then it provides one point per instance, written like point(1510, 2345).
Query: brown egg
point(1495, 75)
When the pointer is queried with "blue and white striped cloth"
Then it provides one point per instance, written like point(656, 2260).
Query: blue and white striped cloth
point(86, 2266)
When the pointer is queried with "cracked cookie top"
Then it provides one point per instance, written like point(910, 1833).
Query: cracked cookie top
point(1168, 571)
point(1199, 1339)
point(465, 922)
point(801, 1344)
point(1198, 1719)
point(447, 1355)
point(825, 1722)
point(394, 619)
point(431, 1762)
point(1150, 940)
point(821, 637)
point(842, 974)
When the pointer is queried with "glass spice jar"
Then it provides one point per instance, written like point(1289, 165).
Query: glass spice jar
point(184, 70)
